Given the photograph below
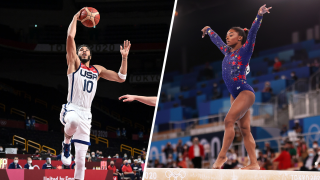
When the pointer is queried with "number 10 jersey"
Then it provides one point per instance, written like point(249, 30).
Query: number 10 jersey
point(82, 85)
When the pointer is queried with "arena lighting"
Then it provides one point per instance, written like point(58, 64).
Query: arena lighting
point(35, 25)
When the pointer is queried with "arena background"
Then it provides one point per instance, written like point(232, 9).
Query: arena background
point(33, 79)
point(190, 106)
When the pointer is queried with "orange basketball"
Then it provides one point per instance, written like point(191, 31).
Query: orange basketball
point(89, 17)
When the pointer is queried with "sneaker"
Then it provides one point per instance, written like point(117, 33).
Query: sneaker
point(66, 154)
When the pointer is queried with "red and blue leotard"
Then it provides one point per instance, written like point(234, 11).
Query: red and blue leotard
point(235, 65)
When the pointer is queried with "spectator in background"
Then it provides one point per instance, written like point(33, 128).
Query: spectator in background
point(29, 163)
point(181, 161)
point(136, 168)
point(118, 133)
point(216, 91)
point(89, 159)
point(124, 133)
point(49, 152)
point(168, 150)
point(196, 153)
point(268, 150)
point(297, 126)
point(141, 164)
point(127, 170)
point(139, 158)
point(120, 170)
point(318, 160)
point(179, 147)
point(97, 153)
point(93, 157)
point(261, 158)
point(87, 156)
point(293, 76)
point(315, 146)
point(37, 153)
point(267, 88)
point(309, 162)
point(114, 170)
point(284, 159)
point(170, 161)
point(116, 156)
point(277, 65)
point(14, 164)
point(100, 154)
point(291, 149)
point(232, 161)
point(47, 165)
point(125, 157)
point(157, 164)
point(33, 123)
point(131, 159)
point(284, 130)
point(1, 149)
point(28, 123)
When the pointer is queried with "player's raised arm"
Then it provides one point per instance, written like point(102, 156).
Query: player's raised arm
point(151, 101)
point(122, 74)
point(71, 45)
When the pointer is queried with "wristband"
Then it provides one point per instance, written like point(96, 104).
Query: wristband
point(121, 76)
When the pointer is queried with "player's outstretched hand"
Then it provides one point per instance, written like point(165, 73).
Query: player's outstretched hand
point(127, 98)
point(263, 9)
point(204, 31)
point(77, 15)
point(126, 48)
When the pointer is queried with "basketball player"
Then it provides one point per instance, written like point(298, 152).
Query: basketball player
point(151, 101)
point(82, 79)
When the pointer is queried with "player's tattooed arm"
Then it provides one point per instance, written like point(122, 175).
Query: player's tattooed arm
point(71, 45)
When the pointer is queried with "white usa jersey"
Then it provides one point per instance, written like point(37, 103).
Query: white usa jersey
point(82, 86)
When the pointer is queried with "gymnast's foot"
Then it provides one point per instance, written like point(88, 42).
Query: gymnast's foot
point(219, 162)
point(254, 166)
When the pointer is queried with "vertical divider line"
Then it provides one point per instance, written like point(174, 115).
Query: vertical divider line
point(159, 90)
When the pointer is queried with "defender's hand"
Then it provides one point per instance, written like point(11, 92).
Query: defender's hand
point(127, 98)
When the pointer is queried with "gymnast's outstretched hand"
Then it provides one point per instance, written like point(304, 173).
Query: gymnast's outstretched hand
point(263, 9)
point(204, 31)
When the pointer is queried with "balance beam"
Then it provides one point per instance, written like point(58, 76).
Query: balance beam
point(226, 174)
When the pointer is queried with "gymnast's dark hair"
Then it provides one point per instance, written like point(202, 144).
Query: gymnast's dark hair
point(242, 32)
point(83, 45)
